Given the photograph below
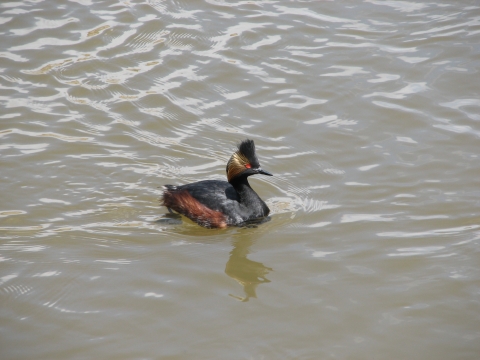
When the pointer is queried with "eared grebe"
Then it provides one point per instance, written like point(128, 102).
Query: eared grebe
point(216, 203)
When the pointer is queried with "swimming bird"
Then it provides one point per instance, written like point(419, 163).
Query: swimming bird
point(216, 203)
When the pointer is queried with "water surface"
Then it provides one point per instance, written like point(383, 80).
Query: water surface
point(367, 112)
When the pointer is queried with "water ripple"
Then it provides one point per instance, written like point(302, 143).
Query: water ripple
point(366, 112)
point(447, 231)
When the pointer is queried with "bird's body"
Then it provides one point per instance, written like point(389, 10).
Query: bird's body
point(216, 203)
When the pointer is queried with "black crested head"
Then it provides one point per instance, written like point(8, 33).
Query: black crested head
point(247, 149)
point(244, 162)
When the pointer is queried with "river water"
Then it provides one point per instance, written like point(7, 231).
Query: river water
point(367, 113)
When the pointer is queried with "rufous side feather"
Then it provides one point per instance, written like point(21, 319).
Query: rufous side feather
point(182, 202)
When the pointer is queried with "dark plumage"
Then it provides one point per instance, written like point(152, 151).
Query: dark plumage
point(218, 204)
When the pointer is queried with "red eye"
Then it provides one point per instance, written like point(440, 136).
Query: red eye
point(248, 166)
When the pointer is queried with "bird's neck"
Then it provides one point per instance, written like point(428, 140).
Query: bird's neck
point(247, 196)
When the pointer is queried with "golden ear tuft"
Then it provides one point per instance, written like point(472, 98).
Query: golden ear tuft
point(236, 165)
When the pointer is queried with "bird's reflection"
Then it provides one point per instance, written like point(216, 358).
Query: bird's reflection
point(247, 273)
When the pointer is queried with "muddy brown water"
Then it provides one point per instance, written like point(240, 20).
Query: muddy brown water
point(366, 112)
